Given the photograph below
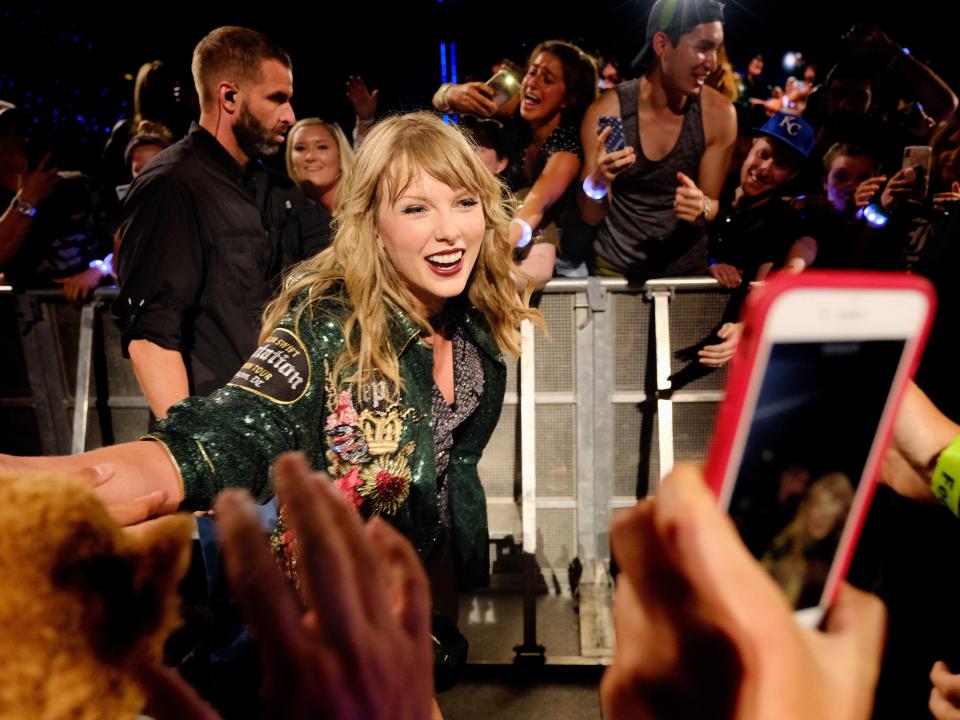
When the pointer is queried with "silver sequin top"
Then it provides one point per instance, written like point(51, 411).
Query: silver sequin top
point(467, 389)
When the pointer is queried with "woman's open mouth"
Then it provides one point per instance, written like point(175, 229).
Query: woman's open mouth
point(448, 263)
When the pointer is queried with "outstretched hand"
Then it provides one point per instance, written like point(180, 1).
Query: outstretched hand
point(472, 97)
point(727, 275)
point(36, 185)
point(127, 513)
point(944, 700)
point(77, 287)
point(362, 647)
point(719, 354)
point(363, 101)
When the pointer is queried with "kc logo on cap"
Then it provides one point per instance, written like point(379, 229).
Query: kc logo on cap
point(791, 130)
point(790, 124)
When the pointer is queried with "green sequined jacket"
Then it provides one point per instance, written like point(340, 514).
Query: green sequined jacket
point(380, 454)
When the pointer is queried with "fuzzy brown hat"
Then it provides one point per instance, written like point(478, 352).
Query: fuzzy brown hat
point(82, 601)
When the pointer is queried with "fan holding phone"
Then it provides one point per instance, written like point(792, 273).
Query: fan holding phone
point(558, 86)
point(824, 360)
point(496, 96)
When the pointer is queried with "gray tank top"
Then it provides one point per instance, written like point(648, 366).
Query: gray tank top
point(641, 236)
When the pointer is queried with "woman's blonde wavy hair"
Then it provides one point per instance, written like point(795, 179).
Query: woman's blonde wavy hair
point(393, 154)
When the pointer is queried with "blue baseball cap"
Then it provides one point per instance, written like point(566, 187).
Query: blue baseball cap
point(792, 130)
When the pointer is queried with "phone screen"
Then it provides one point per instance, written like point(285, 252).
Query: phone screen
point(817, 412)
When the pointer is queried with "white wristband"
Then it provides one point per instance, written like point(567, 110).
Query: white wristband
point(526, 232)
point(442, 96)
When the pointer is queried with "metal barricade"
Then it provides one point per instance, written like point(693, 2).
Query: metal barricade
point(603, 403)
point(614, 395)
point(79, 393)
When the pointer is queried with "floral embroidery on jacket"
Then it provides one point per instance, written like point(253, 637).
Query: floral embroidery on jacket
point(363, 449)
point(364, 458)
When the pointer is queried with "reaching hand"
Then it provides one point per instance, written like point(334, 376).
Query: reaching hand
point(77, 288)
point(727, 275)
point(363, 101)
point(719, 355)
point(945, 696)
point(920, 432)
point(703, 631)
point(472, 97)
point(361, 649)
point(127, 513)
point(37, 184)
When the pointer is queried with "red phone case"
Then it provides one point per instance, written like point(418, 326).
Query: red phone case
point(754, 315)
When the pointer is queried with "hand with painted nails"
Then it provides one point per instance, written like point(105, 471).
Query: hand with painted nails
point(703, 631)
point(362, 647)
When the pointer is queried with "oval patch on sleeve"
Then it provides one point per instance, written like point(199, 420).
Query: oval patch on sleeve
point(279, 370)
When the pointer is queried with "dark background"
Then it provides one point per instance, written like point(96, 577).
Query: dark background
point(72, 66)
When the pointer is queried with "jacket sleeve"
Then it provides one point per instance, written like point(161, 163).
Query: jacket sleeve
point(275, 403)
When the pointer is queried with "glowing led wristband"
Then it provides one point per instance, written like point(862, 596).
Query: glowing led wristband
point(874, 215)
point(526, 232)
point(946, 477)
point(593, 191)
point(105, 266)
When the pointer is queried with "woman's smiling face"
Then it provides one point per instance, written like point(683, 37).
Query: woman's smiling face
point(432, 234)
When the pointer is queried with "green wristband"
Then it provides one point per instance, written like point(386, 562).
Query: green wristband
point(946, 476)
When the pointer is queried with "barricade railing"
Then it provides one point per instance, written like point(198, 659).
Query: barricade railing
point(598, 409)
point(76, 391)
point(617, 396)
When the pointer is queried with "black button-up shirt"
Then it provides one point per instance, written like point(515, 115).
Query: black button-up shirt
point(204, 243)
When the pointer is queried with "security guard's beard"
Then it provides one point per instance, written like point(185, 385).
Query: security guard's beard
point(255, 140)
